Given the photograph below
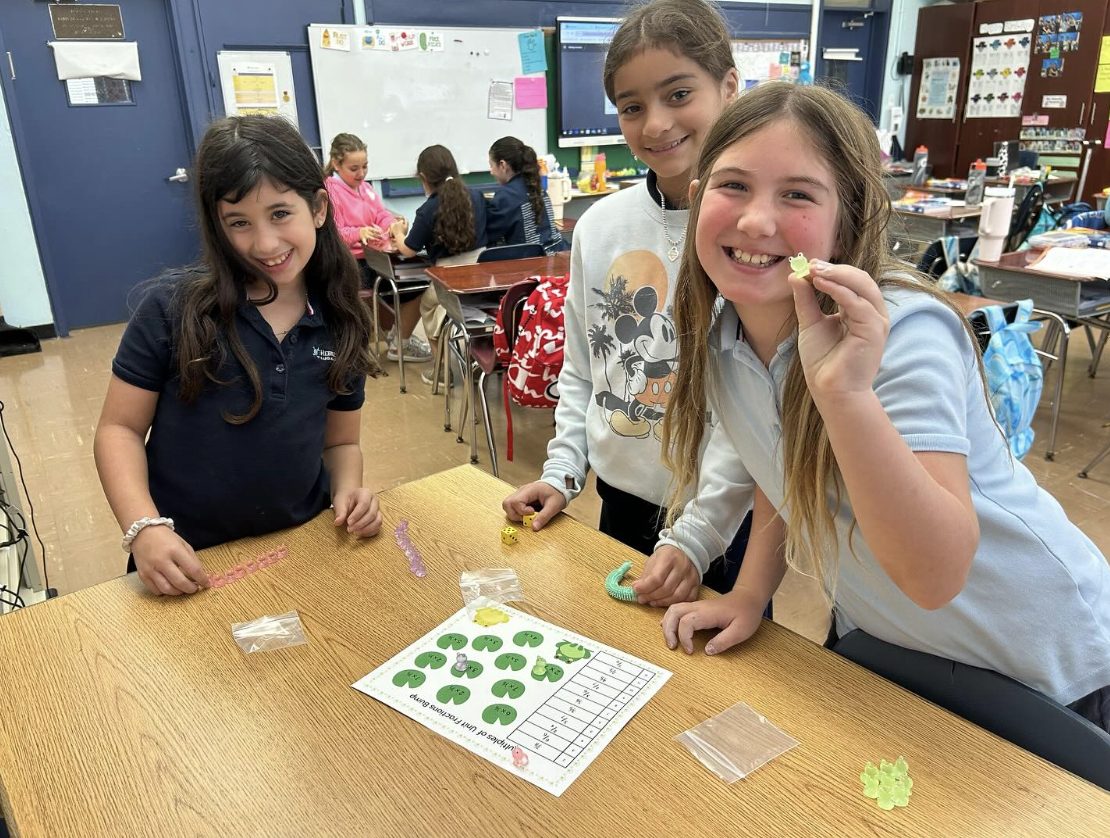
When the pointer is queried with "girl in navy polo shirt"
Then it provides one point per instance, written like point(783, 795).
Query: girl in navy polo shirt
point(247, 369)
point(452, 222)
point(520, 211)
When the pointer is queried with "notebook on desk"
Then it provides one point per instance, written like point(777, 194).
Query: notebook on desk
point(1078, 262)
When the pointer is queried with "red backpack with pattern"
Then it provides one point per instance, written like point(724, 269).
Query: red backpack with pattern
point(536, 357)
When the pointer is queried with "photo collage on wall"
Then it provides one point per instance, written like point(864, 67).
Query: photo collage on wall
point(996, 83)
point(1057, 35)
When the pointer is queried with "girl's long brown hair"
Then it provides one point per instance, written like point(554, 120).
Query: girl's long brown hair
point(522, 160)
point(236, 154)
point(844, 139)
point(454, 224)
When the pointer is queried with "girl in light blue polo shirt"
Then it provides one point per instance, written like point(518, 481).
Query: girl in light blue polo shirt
point(854, 396)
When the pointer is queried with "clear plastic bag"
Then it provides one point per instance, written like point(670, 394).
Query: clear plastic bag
point(489, 586)
point(736, 742)
point(269, 632)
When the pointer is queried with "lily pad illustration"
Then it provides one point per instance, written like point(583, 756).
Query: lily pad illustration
point(528, 638)
point(511, 660)
point(408, 678)
point(507, 687)
point(487, 643)
point(452, 641)
point(431, 660)
point(453, 694)
point(501, 714)
point(473, 670)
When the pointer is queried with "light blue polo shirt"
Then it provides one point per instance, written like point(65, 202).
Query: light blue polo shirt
point(1036, 605)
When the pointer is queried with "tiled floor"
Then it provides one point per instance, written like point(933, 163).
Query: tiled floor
point(52, 401)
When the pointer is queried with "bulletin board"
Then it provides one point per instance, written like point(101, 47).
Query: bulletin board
point(756, 58)
point(434, 88)
point(256, 82)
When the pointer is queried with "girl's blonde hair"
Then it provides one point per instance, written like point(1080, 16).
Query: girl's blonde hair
point(691, 28)
point(844, 139)
point(341, 146)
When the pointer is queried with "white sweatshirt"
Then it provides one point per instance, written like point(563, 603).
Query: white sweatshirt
point(619, 369)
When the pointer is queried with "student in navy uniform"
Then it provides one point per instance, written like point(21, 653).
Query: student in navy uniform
point(247, 369)
point(520, 211)
point(453, 219)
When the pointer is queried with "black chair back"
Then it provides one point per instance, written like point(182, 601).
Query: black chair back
point(510, 251)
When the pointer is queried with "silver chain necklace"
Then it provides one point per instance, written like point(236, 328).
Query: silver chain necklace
point(675, 249)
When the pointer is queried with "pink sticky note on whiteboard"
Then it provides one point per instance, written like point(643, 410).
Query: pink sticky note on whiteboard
point(1106, 142)
point(531, 91)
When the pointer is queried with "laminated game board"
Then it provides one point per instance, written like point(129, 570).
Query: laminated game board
point(527, 695)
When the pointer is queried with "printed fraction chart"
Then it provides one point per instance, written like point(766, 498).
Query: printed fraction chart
point(527, 695)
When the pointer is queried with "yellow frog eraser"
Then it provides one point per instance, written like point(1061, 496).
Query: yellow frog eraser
point(799, 265)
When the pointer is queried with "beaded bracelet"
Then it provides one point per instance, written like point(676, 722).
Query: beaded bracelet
point(416, 561)
point(234, 574)
point(614, 587)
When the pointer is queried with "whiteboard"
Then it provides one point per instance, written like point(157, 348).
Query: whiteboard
point(401, 101)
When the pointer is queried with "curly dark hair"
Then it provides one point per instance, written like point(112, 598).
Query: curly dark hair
point(454, 224)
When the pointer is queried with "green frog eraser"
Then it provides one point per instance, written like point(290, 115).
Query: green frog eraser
point(799, 265)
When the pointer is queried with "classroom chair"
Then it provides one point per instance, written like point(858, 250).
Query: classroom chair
point(484, 358)
point(409, 276)
point(510, 251)
point(1025, 219)
point(1003, 706)
point(943, 253)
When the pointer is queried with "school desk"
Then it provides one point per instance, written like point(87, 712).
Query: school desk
point(127, 714)
point(465, 284)
point(912, 232)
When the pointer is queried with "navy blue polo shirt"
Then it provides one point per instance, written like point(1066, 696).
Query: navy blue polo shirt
point(220, 481)
point(511, 219)
point(422, 233)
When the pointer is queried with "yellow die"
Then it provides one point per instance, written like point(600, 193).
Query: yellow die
point(508, 535)
point(529, 517)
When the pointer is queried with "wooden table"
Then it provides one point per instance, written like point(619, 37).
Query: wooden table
point(455, 286)
point(497, 276)
point(139, 715)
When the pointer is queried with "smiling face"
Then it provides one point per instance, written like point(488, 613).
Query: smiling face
point(666, 104)
point(351, 168)
point(273, 229)
point(767, 197)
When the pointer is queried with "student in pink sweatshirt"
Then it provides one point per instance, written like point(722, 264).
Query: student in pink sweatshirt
point(364, 222)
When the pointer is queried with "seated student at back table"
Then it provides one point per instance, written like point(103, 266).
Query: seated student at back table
point(234, 404)
point(364, 222)
point(520, 211)
point(452, 222)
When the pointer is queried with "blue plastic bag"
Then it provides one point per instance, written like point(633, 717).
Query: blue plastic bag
point(1015, 376)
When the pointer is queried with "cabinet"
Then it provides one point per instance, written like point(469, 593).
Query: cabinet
point(960, 142)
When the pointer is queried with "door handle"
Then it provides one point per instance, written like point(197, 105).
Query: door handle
point(180, 176)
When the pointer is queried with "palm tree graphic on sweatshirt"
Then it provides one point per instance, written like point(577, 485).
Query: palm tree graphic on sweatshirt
point(634, 321)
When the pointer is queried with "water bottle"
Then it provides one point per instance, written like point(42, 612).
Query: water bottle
point(920, 166)
point(976, 181)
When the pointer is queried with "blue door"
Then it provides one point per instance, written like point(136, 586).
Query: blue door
point(861, 77)
point(106, 212)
